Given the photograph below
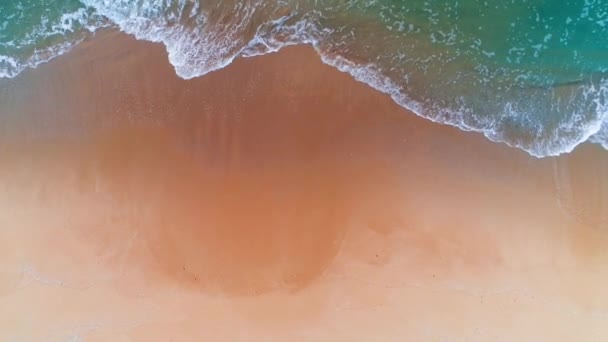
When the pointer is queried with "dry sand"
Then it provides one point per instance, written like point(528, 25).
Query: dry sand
point(279, 199)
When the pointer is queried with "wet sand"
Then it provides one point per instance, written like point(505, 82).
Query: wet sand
point(279, 199)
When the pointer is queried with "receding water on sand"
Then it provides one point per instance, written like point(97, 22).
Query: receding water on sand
point(527, 73)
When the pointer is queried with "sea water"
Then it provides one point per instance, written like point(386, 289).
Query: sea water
point(530, 73)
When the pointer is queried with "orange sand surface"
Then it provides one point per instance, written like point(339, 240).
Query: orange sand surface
point(279, 200)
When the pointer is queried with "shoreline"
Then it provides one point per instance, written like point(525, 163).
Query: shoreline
point(279, 197)
point(345, 66)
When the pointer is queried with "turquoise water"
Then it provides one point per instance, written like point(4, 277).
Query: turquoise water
point(34, 31)
point(532, 74)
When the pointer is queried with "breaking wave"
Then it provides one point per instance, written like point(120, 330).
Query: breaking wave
point(532, 76)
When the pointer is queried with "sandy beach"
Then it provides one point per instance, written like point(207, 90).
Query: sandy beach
point(278, 199)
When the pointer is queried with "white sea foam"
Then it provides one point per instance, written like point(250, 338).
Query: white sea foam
point(11, 66)
point(601, 136)
point(564, 139)
point(193, 51)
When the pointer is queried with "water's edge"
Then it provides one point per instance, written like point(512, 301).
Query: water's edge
point(546, 120)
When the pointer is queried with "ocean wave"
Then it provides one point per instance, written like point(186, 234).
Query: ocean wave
point(45, 38)
point(413, 54)
point(10, 67)
point(584, 124)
